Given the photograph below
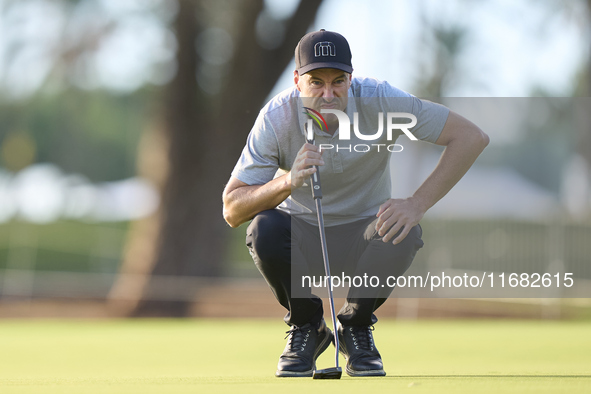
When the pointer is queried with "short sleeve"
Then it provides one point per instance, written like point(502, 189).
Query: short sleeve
point(259, 160)
point(431, 117)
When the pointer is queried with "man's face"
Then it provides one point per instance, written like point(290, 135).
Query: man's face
point(324, 88)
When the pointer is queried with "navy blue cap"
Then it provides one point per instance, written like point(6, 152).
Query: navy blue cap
point(323, 49)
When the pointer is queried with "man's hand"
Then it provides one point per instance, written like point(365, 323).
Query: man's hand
point(242, 201)
point(309, 155)
point(396, 214)
point(464, 141)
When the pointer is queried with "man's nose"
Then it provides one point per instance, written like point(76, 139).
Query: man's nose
point(328, 93)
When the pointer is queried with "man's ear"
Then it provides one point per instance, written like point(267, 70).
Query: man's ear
point(350, 79)
point(296, 79)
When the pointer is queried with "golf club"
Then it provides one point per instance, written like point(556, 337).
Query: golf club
point(336, 372)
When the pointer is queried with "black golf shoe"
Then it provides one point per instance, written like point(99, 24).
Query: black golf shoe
point(303, 347)
point(357, 345)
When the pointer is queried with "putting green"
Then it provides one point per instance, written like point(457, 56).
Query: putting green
point(202, 356)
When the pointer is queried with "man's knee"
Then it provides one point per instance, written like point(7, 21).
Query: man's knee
point(396, 259)
point(268, 235)
point(408, 246)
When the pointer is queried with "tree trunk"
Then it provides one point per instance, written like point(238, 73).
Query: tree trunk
point(204, 138)
point(584, 144)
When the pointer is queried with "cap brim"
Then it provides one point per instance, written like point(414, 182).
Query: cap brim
point(315, 66)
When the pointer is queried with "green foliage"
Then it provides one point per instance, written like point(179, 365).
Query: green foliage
point(92, 133)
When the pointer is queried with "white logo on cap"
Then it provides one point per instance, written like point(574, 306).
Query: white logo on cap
point(324, 48)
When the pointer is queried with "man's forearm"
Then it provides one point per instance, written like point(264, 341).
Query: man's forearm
point(456, 159)
point(243, 203)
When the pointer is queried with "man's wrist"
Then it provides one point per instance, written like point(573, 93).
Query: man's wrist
point(286, 185)
point(422, 203)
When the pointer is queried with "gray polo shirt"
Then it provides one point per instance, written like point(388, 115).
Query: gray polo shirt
point(355, 178)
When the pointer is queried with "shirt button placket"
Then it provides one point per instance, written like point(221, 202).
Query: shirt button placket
point(338, 165)
point(336, 157)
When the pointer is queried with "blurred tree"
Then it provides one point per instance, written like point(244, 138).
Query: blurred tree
point(237, 50)
point(579, 12)
point(585, 139)
point(94, 133)
point(43, 47)
point(438, 71)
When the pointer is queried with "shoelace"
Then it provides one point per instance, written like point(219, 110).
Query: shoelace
point(362, 337)
point(298, 337)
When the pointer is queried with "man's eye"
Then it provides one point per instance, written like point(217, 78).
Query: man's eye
point(339, 81)
point(316, 83)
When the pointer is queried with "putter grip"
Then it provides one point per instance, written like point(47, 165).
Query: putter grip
point(315, 184)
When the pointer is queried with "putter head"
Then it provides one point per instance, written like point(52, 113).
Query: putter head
point(328, 373)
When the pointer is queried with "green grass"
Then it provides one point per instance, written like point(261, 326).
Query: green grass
point(202, 356)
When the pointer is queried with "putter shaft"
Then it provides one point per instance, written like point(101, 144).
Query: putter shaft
point(327, 271)
point(317, 195)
